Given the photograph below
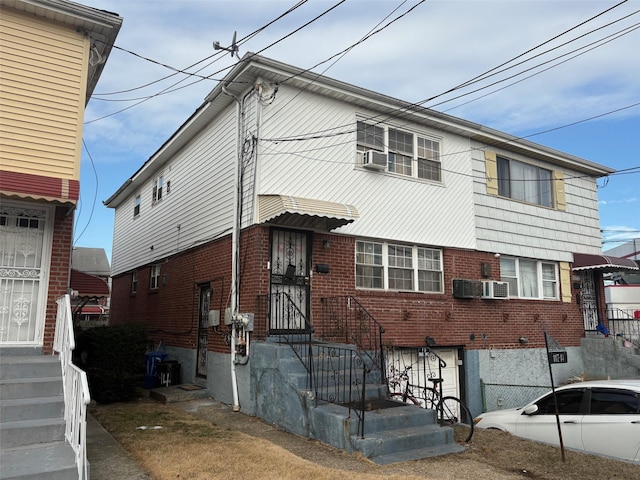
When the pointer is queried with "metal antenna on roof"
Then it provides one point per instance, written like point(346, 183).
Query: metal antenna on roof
point(233, 49)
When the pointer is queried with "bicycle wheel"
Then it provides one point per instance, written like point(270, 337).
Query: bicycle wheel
point(453, 413)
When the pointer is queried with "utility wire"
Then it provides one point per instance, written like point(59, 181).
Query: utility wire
point(185, 70)
point(246, 59)
point(414, 106)
point(95, 195)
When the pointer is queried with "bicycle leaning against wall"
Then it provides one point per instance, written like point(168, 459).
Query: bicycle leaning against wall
point(450, 410)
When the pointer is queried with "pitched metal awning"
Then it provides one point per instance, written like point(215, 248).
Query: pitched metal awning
point(604, 263)
point(304, 212)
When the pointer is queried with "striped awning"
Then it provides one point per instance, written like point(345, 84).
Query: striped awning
point(304, 212)
point(604, 263)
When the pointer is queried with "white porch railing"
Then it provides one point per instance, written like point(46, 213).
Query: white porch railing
point(75, 387)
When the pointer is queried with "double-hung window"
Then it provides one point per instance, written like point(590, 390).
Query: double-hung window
point(136, 206)
point(384, 266)
point(529, 278)
point(524, 182)
point(409, 154)
point(400, 152)
point(369, 269)
point(158, 184)
point(134, 281)
point(154, 281)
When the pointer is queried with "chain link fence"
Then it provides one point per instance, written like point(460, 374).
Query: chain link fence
point(498, 396)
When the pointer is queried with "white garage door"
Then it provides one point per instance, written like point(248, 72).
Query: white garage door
point(419, 366)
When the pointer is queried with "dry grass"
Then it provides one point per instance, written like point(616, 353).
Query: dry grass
point(189, 446)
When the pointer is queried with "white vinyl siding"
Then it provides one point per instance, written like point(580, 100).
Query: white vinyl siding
point(522, 229)
point(391, 206)
point(202, 176)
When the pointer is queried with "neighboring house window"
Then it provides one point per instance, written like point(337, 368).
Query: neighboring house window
point(136, 206)
point(525, 182)
point(155, 276)
point(134, 281)
point(381, 266)
point(529, 278)
point(158, 184)
point(408, 154)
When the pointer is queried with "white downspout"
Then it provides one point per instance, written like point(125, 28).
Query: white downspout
point(235, 235)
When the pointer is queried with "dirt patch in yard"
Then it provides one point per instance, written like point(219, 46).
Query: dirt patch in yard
point(203, 439)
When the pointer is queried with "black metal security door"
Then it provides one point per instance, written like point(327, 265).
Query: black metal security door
point(589, 301)
point(203, 324)
point(290, 259)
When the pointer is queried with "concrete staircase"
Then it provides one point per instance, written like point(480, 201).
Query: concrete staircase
point(32, 428)
point(393, 431)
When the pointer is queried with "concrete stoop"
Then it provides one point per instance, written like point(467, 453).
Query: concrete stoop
point(393, 431)
point(32, 427)
point(397, 434)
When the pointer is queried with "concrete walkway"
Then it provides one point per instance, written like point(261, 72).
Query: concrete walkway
point(107, 459)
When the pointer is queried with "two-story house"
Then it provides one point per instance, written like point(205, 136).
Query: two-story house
point(288, 182)
point(51, 57)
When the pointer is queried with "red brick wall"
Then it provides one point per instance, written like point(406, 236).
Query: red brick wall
point(59, 272)
point(172, 311)
point(474, 323)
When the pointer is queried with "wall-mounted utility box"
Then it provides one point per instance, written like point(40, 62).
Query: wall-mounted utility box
point(214, 318)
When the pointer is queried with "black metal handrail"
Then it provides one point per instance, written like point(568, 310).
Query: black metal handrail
point(340, 377)
point(345, 320)
point(624, 323)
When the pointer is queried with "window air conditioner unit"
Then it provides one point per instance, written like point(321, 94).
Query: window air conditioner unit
point(374, 160)
point(467, 288)
point(495, 290)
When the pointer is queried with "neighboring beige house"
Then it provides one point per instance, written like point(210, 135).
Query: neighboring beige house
point(52, 53)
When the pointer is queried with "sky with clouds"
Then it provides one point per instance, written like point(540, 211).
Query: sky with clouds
point(571, 81)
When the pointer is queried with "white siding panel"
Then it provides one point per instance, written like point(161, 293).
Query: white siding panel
point(324, 168)
point(516, 228)
point(200, 201)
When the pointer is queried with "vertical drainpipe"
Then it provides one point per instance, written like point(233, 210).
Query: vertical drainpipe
point(235, 236)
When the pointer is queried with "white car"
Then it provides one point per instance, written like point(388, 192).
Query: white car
point(601, 417)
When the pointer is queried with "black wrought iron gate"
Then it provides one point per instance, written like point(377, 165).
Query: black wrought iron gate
point(290, 259)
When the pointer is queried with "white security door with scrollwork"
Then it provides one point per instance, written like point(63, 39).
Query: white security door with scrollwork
point(25, 249)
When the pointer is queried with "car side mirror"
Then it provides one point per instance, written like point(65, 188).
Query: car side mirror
point(530, 409)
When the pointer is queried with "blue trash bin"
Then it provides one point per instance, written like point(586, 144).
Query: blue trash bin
point(151, 376)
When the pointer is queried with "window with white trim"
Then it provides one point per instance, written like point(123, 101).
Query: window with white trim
point(134, 281)
point(409, 154)
point(384, 266)
point(524, 182)
point(158, 184)
point(136, 205)
point(154, 281)
point(528, 278)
